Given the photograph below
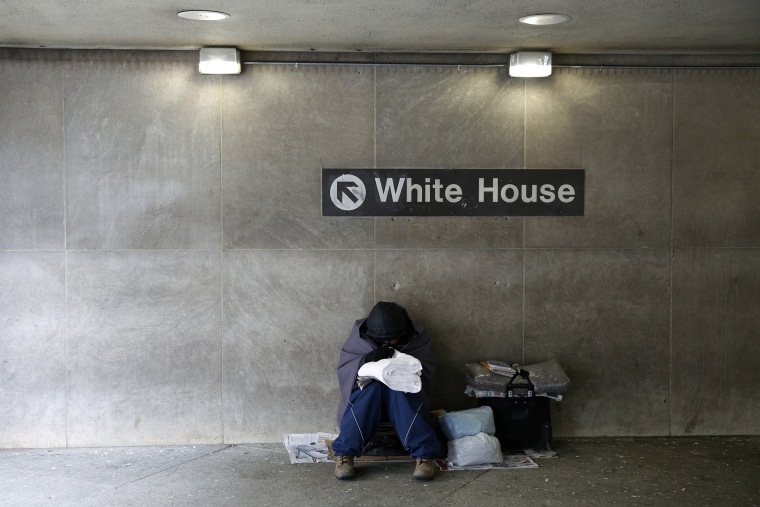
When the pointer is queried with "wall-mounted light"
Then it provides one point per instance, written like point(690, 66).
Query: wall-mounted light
point(219, 61)
point(530, 64)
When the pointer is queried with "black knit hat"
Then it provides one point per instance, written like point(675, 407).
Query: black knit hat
point(387, 321)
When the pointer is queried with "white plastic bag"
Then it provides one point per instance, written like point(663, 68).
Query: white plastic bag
point(474, 450)
point(466, 423)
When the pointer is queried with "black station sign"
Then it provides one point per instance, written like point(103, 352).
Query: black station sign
point(452, 192)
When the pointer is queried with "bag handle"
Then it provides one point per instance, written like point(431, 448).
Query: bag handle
point(525, 374)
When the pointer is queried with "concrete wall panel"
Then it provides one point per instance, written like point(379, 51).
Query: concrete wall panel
point(281, 126)
point(31, 148)
point(716, 323)
point(32, 349)
point(142, 152)
point(449, 232)
point(287, 315)
point(603, 314)
point(449, 118)
point(716, 192)
point(616, 125)
point(145, 352)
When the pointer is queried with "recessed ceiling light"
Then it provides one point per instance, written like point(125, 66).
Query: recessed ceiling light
point(203, 15)
point(544, 19)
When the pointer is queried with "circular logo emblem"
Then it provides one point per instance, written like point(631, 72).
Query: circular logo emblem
point(347, 192)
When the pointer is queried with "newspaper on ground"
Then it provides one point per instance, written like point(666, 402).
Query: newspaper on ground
point(314, 448)
point(308, 447)
point(540, 454)
point(511, 462)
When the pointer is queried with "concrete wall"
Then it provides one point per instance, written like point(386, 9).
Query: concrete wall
point(166, 276)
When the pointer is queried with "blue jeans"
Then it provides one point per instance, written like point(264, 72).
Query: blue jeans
point(366, 409)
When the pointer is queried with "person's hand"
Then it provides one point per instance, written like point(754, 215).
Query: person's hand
point(382, 352)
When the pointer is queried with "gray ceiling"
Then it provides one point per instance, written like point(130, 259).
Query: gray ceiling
point(597, 26)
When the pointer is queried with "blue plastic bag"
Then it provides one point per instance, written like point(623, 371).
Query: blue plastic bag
point(466, 423)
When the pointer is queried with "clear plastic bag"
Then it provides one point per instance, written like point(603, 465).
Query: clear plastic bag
point(474, 450)
point(465, 423)
point(481, 378)
point(548, 377)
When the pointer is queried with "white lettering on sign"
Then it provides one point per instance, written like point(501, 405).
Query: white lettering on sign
point(418, 192)
point(566, 193)
point(394, 191)
point(526, 193)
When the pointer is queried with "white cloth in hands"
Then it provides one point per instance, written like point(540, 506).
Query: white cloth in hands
point(401, 372)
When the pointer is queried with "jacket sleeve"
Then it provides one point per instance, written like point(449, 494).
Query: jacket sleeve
point(349, 362)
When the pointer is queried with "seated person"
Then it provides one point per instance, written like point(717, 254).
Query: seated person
point(386, 328)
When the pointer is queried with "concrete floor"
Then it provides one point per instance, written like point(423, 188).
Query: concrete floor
point(615, 471)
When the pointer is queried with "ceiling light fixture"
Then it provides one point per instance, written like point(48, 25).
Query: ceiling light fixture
point(203, 15)
point(544, 19)
point(530, 64)
point(219, 61)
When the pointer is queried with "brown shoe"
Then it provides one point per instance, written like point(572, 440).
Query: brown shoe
point(425, 469)
point(344, 467)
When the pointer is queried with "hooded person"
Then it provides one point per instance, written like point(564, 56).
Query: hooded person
point(386, 329)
